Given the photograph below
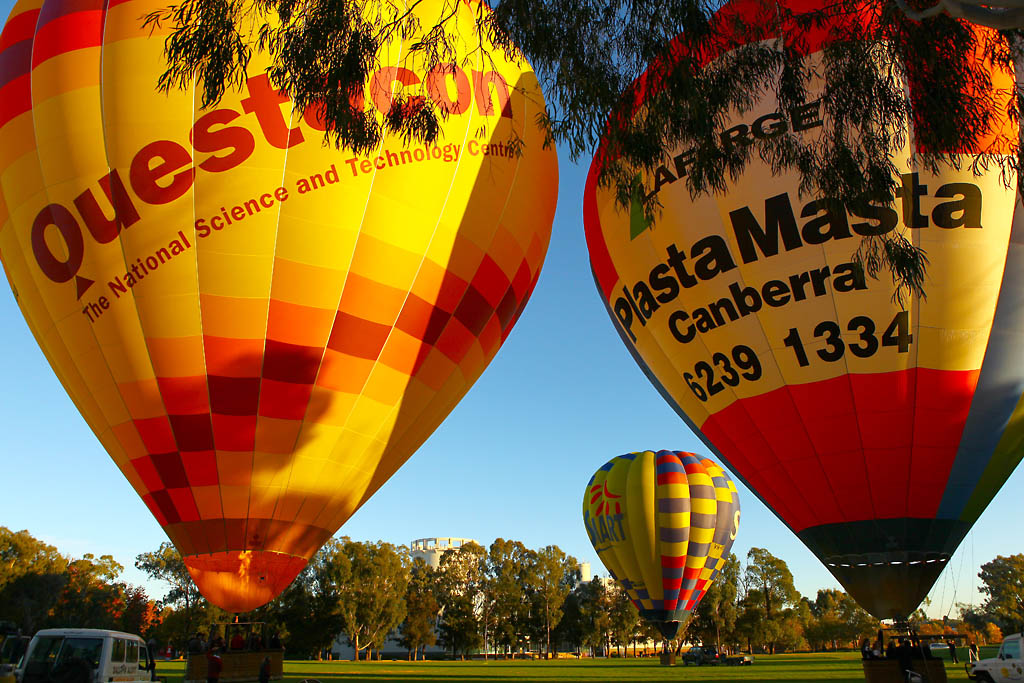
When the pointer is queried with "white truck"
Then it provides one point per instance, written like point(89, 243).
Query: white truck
point(1007, 666)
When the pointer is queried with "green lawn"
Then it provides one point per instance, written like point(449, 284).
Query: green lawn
point(842, 666)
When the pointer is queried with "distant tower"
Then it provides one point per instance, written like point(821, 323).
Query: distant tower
point(430, 549)
point(585, 572)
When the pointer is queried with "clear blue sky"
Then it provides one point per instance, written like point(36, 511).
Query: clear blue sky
point(562, 397)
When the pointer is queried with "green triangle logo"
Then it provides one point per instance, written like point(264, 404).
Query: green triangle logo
point(638, 221)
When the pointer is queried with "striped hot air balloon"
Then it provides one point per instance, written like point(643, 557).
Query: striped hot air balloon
point(877, 431)
point(260, 329)
point(662, 524)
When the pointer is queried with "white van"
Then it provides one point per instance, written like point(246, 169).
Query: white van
point(86, 655)
point(1007, 666)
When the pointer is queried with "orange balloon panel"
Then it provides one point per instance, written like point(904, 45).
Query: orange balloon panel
point(877, 432)
point(259, 329)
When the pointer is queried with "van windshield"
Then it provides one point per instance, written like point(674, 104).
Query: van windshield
point(81, 649)
point(74, 657)
point(1011, 649)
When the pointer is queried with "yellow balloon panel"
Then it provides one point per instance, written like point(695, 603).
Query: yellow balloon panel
point(259, 328)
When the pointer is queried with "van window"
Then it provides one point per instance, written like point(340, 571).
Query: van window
point(117, 651)
point(1010, 649)
point(132, 655)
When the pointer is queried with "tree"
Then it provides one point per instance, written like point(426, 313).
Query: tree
point(1003, 583)
point(595, 606)
point(717, 612)
point(461, 579)
point(751, 624)
point(372, 601)
point(557, 574)
point(769, 582)
point(421, 609)
point(569, 630)
point(623, 617)
point(139, 614)
point(588, 57)
point(32, 576)
point(90, 597)
point(509, 571)
point(993, 634)
point(308, 610)
point(166, 564)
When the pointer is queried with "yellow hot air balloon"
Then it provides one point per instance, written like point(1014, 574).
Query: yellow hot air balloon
point(877, 431)
point(258, 328)
point(663, 524)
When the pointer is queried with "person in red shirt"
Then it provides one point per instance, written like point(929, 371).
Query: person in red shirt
point(214, 664)
point(237, 641)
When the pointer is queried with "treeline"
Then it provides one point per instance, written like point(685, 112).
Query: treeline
point(502, 599)
point(41, 588)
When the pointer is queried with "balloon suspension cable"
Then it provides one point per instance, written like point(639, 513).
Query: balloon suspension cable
point(956, 584)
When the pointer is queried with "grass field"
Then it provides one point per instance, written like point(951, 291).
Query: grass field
point(840, 666)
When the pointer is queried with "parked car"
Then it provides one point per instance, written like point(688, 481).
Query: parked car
point(11, 650)
point(701, 655)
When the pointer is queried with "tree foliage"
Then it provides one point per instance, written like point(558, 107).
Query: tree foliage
point(418, 630)
point(308, 611)
point(509, 573)
point(714, 619)
point(836, 620)
point(879, 72)
point(556, 575)
point(460, 591)
point(1003, 584)
point(166, 565)
point(32, 575)
point(769, 592)
point(40, 588)
point(769, 581)
point(371, 591)
point(623, 618)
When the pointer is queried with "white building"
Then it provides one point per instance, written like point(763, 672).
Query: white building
point(430, 550)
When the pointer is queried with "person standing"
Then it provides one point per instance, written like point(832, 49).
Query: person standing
point(972, 652)
point(952, 651)
point(214, 665)
point(265, 670)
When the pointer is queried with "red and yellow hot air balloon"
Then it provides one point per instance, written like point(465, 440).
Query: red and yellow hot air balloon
point(878, 432)
point(663, 524)
point(259, 328)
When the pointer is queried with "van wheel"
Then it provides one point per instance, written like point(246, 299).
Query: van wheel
point(984, 677)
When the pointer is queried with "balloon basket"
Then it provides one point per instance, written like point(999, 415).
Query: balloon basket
point(889, 670)
point(668, 659)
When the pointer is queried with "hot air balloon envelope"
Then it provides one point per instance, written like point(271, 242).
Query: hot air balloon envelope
point(877, 431)
point(259, 328)
point(662, 524)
